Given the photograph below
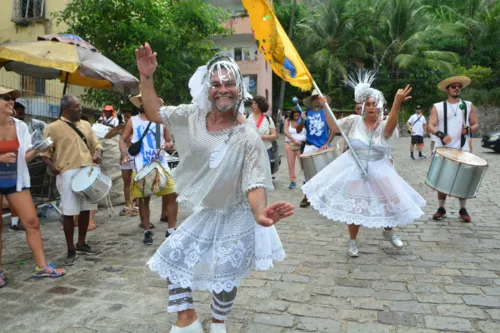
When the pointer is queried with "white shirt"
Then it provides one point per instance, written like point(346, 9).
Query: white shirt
point(24, 138)
point(264, 128)
point(113, 122)
point(455, 117)
point(417, 126)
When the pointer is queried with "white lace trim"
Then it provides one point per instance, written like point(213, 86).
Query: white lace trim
point(184, 279)
point(181, 307)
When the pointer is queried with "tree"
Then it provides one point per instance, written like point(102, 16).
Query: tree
point(180, 31)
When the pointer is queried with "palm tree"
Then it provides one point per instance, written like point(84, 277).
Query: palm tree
point(400, 37)
point(337, 34)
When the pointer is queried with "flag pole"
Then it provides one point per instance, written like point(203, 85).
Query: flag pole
point(365, 173)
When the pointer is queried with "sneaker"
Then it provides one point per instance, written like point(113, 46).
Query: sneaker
point(17, 227)
point(217, 328)
point(70, 260)
point(305, 203)
point(195, 327)
point(148, 237)
point(164, 219)
point(352, 251)
point(292, 185)
point(422, 157)
point(49, 271)
point(168, 233)
point(411, 156)
point(393, 239)
point(87, 250)
point(440, 214)
point(464, 216)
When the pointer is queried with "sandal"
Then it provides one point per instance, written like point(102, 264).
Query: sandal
point(135, 211)
point(3, 282)
point(125, 211)
point(2, 275)
point(49, 271)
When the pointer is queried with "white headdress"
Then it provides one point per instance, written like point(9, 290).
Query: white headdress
point(361, 83)
point(200, 81)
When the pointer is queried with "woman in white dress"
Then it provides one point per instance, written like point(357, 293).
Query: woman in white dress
point(382, 199)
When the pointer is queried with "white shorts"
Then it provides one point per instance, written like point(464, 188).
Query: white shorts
point(310, 149)
point(71, 203)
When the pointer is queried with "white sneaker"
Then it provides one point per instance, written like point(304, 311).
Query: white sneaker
point(352, 251)
point(217, 328)
point(395, 240)
point(193, 328)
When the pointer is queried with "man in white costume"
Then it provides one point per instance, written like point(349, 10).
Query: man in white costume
point(223, 174)
point(451, 122)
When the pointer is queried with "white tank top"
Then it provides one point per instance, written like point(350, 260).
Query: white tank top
point(148, 151)
point(455, 123)
point(293, 133)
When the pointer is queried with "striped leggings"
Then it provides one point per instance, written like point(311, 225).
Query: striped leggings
point(181, 299)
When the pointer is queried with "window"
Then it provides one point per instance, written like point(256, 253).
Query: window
point(250, 82)
point(26, 10)
point(31, 86)
point(243, 54)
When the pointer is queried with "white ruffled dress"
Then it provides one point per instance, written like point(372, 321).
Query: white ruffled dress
point(217, 246)
point(340, 193)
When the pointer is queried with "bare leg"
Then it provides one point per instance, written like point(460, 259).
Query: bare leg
point(83, 224)
point(68, 225)
point(172, 208)
point(23, 204)
point(164, 208)
point(144, 212)
point(353, 230)
point(127, 180)
point(186, 318)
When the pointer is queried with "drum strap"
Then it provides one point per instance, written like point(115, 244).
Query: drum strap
point(80, 134)
point(445, 114)
point(158, 136)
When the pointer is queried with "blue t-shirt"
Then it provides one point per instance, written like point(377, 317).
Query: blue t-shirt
point(317, 128)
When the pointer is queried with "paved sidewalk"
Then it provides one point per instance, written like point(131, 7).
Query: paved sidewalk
point(447, 278)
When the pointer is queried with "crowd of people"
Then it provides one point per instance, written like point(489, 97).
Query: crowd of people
point(224, 174)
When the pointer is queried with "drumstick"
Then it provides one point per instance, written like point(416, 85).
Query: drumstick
point(60, 168)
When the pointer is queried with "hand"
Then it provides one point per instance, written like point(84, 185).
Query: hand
point(97, 157)
point(146, 60)
point(303, 115)
point(323, 100)
point(8, 158)
point(125, 160)
point(323, 147)
point(296, 143)
point(466, 130)
point(168, 145)
point(447, 139)
point(413, 132)
point(402, 95)
point(273, 213)
point(53, 170)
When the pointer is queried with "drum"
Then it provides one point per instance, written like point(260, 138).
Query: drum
point(455, 172)
point(151, 179)
point(312, 163)
point(41, 146)
point(91, 183)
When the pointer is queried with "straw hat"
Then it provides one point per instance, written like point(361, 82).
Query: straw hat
point(307, 101)
point(463, 80)
point(137, 101)
point(15, 93)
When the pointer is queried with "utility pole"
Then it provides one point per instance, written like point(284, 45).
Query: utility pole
point(283, 82)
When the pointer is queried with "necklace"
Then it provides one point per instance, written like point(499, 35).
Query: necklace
point(454, 109)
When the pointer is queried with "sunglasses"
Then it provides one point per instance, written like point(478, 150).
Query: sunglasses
point(455, 86)
point(8, 98)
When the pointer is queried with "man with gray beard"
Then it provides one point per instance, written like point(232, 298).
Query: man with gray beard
point(223, 174)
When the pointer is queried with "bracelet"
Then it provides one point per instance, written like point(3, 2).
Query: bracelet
point(441, 136)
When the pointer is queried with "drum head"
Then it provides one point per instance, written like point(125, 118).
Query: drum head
point(146, 170)
point(82, 180)
point(461, 156)
point(318, 152)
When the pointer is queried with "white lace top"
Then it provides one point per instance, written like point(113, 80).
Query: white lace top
point(245, 165)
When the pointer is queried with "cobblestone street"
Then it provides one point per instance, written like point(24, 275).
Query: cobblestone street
point(447, 278)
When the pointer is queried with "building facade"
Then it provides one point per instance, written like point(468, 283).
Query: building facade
point(24, 21)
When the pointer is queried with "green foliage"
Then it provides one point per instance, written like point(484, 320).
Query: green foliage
point(179, 31)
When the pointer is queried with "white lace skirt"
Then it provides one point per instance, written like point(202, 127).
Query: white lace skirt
point(340, 193)
point(212, 251)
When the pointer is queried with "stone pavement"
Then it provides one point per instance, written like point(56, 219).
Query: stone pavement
point(446, 279)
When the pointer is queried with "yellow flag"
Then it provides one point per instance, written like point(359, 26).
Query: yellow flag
point(275, 45)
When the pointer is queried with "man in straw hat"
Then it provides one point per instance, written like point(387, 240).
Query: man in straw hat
point(223, 174)
point(319, 128)
point(451, 122)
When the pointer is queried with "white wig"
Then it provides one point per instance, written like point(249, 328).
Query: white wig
point(225, 67)
point(361, 83)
